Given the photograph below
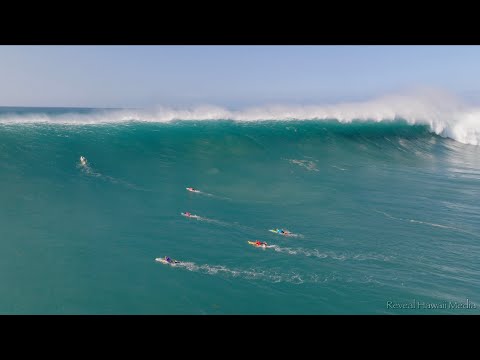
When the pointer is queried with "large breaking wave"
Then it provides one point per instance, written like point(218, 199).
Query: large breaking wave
point(442, 113)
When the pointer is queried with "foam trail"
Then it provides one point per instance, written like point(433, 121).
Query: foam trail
point(322, 255)
point(85, 167)
point(427, 223)
point(215, 196)
point(432, 224)
point(88, 170)
point(223, 223)
point(444, 114)
point(253, 274)
point(272, 276)
point(307, 164)
point(290, 234)
point(202, 218)
point(211, 195)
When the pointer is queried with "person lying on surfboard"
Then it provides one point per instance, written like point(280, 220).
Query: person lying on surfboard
point(260, 243)
point(170, 260)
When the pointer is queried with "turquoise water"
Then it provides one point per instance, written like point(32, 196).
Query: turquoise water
point(384, 212)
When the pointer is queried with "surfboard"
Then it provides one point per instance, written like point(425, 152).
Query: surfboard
point(163, 261)
point(192, 190)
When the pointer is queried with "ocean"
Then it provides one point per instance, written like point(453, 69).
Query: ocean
point(384, 210)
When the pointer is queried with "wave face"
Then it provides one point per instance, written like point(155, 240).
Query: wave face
point(383, 209)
